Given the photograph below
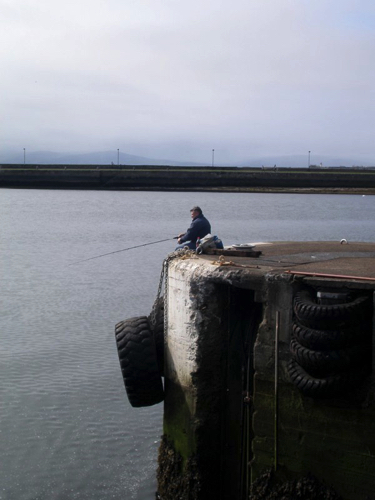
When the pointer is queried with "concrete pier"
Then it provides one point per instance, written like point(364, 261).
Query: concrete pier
point(237, 410)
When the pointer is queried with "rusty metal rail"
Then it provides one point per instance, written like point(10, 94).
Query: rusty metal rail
point(324, 275)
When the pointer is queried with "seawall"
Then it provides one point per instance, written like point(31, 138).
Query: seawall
point(104, 177)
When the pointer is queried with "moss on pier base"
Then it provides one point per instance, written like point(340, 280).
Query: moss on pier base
point(178, 479)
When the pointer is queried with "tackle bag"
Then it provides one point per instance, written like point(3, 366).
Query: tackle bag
point(208, 241)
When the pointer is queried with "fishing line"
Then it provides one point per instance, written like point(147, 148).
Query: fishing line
point(123, 250)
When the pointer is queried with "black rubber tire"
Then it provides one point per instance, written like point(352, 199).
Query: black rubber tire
point(157, 327)
point(328, 362)
point(331, 386)
point(322, 340)
point(309, 313)
point(139, 367)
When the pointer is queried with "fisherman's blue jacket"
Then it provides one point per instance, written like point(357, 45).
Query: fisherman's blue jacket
point(199, 228)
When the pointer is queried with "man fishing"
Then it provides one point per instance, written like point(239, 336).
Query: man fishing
point(199, 228)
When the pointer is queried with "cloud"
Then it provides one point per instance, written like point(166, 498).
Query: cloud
point(261, 76)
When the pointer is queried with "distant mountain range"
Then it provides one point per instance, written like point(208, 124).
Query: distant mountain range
point(95, 158)
point(114, 157)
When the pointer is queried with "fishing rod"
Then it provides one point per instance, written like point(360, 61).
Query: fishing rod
point(123, 250)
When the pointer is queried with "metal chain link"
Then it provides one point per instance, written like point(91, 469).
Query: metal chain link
point(156, 301)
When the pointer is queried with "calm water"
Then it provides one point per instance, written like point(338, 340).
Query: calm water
point(67, 430)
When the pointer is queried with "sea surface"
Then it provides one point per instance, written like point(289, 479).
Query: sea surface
point(67, 430)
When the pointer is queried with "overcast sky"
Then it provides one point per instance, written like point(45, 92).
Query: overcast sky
point(175, 79)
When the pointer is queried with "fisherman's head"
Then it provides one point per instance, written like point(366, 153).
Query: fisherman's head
point(195, 211)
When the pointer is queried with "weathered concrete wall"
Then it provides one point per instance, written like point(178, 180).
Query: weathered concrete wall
point(207, 326)
point(220, 320)
point(193, 385)
point(332, 438)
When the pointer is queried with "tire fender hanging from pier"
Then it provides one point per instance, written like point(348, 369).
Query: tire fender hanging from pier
point(322, 340)
point(312, 314)
point(329, 346)
point(138, 360)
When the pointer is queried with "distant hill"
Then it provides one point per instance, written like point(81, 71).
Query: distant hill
point(95, 158)
point(110, 157)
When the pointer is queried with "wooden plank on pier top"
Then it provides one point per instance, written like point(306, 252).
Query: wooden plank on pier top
point(233, 252)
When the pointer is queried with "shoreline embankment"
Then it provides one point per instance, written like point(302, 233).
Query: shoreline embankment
point(172, 178)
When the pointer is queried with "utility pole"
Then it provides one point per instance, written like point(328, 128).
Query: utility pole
point(213, 157)
point(118, 156)
point(308, 164)
point(24, 156)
